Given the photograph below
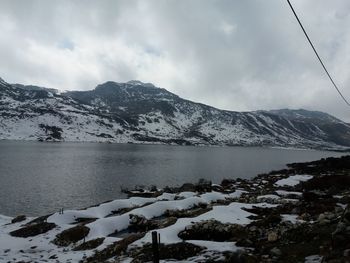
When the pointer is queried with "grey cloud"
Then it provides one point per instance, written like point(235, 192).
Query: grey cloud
point(237, 55)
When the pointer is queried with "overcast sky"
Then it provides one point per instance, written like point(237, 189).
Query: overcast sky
point(231, 54)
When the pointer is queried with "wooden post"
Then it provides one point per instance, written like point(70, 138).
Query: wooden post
point(155, 247)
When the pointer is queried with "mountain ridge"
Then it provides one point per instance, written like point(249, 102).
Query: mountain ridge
point(138, 112)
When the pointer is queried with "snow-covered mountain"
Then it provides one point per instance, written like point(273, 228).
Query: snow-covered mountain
point(140, 112)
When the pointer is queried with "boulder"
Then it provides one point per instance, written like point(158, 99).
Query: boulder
point(272, 236)
point(139, 223)
point(213, 230)
point(19, 218)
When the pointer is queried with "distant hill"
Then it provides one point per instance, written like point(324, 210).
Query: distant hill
point(139, 112)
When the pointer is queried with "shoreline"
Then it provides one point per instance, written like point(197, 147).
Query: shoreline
point(338, 148)
point(300, 213)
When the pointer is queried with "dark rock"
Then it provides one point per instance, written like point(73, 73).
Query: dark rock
point(217, 188)
point(245, 242)
point(276, 252)
point(178, 251)
point(84, 220)
point(40, 219)
point(91, 244)
point(19, 218)
point(71, 235)
point(346, 215)
point(33, 230)
point(52, 132)
point(323, 165)
point(227, 182)
point(329, 183)
point(166, 222)
point(113, 250)
point(144, 194)
point(341, 241)
point(104, 135)
point(213, 230)
point(268, 221)
point(239, 257)
point(188, 187)
point(139, 223)
point(310, 197)
point(260, 212)
point(203, 186)
point(272, 236)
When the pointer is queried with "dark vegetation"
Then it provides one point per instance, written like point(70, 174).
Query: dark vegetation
point(33, 230)
point(71, 235)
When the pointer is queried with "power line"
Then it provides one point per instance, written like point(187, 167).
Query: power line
point(324, 67)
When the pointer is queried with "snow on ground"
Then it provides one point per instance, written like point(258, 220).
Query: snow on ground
point(232, 213)
point(105, 209)
point(293, 180)
point(215, 246)
point(4, 220)
point(268, 197)
point(237, 193)
point(186, 194)
point(287, 193)
point(40, 248)
point(314, 259)
point(109, 225)
point(290, 200)
point(291, 218)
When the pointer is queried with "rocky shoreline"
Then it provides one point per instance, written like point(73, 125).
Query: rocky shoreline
point(299, 214)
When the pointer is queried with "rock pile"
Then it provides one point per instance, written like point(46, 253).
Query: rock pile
point(214, 231)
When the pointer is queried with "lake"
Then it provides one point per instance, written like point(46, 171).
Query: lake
point(40, 178)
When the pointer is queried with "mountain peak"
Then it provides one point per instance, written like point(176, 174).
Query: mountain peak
point(129, 84)
point(135, 82)
point(140, 83)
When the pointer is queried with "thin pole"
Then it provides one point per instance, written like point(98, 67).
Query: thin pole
point(155, 247)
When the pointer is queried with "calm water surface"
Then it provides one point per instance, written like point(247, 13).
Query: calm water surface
point(39, 178)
